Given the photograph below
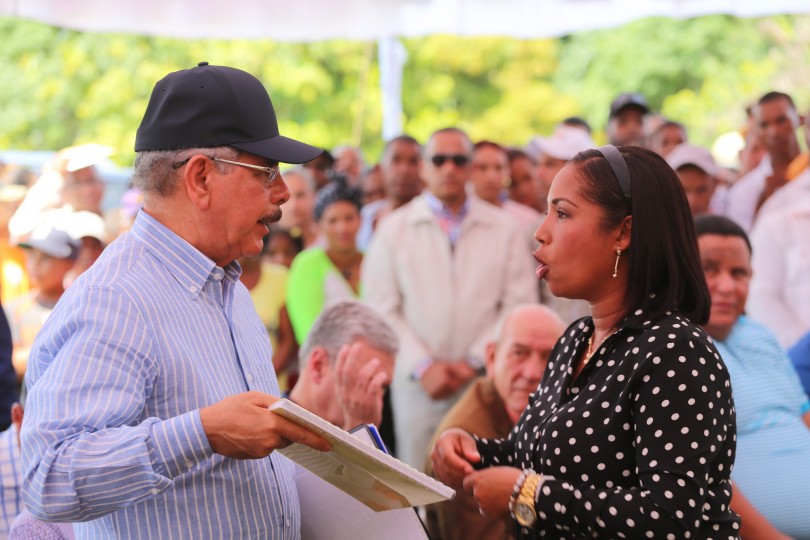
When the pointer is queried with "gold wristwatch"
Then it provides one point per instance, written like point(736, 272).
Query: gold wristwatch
point(524, 511)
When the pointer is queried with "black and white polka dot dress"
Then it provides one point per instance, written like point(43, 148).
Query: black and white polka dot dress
point(640, 445)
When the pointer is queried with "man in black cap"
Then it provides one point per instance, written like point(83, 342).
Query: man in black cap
point(626, 123)
point(149, 383)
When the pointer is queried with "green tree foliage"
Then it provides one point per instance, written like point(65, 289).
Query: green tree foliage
point(496, 88)
point(701, 72)
point(63, 87)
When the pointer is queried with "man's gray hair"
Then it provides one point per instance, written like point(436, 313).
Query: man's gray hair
point(155, 172)
point(343, 323)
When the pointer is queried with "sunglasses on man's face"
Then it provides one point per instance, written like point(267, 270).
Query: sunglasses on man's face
point(459, 160)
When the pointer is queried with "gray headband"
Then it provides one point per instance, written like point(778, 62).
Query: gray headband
point(619, 166)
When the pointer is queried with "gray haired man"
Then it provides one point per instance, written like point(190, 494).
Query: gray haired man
point(149, 383)
point(346, 364)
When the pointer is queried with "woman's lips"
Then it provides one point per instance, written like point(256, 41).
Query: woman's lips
point(542, 270)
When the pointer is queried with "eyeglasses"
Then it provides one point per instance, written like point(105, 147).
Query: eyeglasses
point(459, 160)
point(272, 172)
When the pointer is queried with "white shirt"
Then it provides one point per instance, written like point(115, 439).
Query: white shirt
point(744, 194)
point(780, 287)
point(787, 195)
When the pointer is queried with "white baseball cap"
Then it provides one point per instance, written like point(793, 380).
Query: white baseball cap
point(565, 143)
point(83, 224)
point(84, 155)
point(51, 241)
point(689, 154)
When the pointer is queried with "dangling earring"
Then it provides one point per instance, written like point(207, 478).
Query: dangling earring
point(616, 265)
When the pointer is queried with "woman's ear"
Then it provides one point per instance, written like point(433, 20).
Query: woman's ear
point(625, 230)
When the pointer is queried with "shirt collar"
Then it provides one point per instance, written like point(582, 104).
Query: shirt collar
point(188, 265)
point(635, 320)
point(439, 208)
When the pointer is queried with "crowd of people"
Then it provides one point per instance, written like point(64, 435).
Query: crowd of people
point(650, 378)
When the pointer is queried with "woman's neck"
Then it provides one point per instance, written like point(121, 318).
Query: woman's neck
point(343, 258)
point(608, 312)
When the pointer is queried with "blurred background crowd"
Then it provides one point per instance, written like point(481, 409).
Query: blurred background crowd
point(345, 231)
point(328, 246)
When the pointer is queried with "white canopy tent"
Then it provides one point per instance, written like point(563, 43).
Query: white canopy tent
point(383, 20)
point(314, 20)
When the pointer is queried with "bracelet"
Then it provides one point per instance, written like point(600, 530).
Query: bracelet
point(516, 489)
point(421, 367)
point(542, 481)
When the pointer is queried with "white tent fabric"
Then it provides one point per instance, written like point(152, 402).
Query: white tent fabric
point(314, 20)
point(383, 20)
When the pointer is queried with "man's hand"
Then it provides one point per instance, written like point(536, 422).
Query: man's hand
point(359, 387)
point(492, 489)
point(241, 427)
point(444, 378)
point(453, 456)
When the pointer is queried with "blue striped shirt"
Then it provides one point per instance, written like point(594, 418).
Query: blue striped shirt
point(10, 502)
point(772, 466)
point(112, 437)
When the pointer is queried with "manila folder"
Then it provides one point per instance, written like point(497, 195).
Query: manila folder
point(368, 474)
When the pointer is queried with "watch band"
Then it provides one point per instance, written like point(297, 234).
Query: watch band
point(524, 497)
point(421, 367)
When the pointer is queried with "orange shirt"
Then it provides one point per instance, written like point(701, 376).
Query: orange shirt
point(799, 164)
point(13, 274)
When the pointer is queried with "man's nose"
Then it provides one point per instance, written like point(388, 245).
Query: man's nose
point(534, 367)
point(724, 282)
point(280, 193)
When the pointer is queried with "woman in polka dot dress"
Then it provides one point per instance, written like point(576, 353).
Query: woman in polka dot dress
point(631, 434)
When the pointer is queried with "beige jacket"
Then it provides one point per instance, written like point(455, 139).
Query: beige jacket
point(443, 302)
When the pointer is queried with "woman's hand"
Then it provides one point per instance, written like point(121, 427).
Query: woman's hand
point(492, 489)
point(453, 456)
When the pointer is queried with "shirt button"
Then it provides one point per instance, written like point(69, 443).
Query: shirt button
point(192, 289)
point(287, 523)
point(189, 464)
point(250, 377)
point(154, 491)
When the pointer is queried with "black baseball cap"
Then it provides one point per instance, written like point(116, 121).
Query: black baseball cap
point(208, 106)
point(629, 99)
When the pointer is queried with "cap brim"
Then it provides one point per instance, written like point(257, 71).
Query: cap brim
point(48, 250)
point(705, 167)
point(85, 155)
point(548, 148)
point(281, 149)
point(632, 105)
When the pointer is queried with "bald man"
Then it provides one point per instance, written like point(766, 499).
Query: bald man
point(491, 406)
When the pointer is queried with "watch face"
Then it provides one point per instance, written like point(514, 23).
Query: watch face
point(525, 514)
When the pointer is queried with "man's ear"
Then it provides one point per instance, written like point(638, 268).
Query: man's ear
point(489, 358)
point(197, 180)
point(318, 364)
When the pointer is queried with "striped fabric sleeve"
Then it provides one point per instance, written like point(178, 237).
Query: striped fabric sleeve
point(87, 449)
point(180, 443)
